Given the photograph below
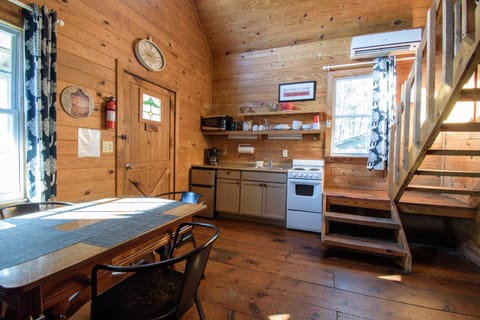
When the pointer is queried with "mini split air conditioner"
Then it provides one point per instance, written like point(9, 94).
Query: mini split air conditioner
point(385, 44)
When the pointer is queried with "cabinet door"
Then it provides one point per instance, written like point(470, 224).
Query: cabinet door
point(252, 198)
point(228, 196)
point(275, 199)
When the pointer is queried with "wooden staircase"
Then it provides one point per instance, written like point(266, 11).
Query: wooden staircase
point(421, 158)
point(363, 222)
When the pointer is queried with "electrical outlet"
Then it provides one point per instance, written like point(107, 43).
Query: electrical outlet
point(107, 146)
point(328, 123)
point(285, 153)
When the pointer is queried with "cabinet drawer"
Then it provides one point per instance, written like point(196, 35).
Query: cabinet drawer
point(228, 174)
point(203, 177)
point(264, 176)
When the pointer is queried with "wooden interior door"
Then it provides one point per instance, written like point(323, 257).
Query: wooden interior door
point(145, 163)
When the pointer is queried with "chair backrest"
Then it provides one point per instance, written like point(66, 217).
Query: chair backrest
point(190, 197)
point(195, 264)
point(185, 196)
point(29, 207)
point(194, 269)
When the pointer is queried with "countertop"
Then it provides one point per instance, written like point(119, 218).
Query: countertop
point(245, 167)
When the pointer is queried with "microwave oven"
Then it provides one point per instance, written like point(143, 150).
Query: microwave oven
point(217, 122)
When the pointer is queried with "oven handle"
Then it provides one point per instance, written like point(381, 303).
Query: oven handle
point(303, 181)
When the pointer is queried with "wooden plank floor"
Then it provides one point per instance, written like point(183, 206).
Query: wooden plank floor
point(256, 271)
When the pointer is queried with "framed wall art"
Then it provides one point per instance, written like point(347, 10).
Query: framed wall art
point(77, 102)
point(296, 91)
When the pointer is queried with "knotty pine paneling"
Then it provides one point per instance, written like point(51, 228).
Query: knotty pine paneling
point(234, 26)
point(95, 36)
point(255, 76)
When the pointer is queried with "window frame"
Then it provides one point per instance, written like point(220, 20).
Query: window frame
point(331, 81)
point(17, 110)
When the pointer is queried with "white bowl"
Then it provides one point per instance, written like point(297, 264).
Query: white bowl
point(306, 126)
point(296, 125)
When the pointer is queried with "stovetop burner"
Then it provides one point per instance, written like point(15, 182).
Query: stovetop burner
point(306, 169)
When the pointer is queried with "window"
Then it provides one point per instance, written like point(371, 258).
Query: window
point(11, 114)
point(350, 112)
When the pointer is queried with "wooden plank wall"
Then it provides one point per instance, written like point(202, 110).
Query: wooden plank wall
point(254, 77)
point(95, 36)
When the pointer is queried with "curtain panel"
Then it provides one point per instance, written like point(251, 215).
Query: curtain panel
point(40, 97)
point(383, 106)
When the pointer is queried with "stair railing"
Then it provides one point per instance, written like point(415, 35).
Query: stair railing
point(433, 86)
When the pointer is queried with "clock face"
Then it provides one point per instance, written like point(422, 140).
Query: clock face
point(149, 55)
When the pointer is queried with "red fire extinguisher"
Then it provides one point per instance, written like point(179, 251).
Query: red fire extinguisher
point(110, 113)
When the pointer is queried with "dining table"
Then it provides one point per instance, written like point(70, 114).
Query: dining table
point(46, 257)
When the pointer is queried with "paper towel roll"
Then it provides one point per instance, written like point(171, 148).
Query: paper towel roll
point(246, 148)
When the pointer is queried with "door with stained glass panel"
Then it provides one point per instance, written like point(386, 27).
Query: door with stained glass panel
point(146, 145)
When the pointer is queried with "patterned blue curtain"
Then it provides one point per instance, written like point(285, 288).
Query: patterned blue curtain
point(40, 98)
point(383, 106)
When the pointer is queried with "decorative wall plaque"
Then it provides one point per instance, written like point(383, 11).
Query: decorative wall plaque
point(77, 102)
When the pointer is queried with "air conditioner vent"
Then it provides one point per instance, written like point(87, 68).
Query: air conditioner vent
point(384, 44)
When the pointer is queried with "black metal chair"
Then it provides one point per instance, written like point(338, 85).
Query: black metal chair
point(185, 234)
point(155, 290)
point(30, 207)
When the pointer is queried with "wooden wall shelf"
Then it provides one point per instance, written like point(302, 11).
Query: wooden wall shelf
point(276, 113)
point(261, 133)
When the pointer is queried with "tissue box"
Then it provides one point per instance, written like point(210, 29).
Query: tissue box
point(246, 148)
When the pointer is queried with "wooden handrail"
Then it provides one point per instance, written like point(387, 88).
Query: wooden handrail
point(460, 54)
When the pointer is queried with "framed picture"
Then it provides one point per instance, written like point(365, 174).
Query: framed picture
point(77, 102)
point(296, 91)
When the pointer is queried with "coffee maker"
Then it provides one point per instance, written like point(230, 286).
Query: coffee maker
point(212, 156)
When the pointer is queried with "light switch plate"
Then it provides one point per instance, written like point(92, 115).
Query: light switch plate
point(107, 146)
point(285, 153)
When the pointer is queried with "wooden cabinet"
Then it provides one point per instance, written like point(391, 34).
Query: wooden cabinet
point(228, 191)
point(263, 194)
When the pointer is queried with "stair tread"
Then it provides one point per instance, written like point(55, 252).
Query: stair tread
point(453, 152)
point(361, 220)
point(434, 189)
point(365, 244)
point(461, 127)
point(450, 173)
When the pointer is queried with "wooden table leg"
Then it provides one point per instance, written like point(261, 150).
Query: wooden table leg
point(24, 306)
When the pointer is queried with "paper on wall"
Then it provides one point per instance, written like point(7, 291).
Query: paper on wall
point(88, 143)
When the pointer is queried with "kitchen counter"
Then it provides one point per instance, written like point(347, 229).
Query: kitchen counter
point(244, 167)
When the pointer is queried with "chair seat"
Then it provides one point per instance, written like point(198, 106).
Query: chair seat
point(145, 295)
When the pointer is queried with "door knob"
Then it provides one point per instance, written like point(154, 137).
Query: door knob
point(129, 166)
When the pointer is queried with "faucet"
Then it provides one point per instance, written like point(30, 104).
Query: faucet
point(268, 163)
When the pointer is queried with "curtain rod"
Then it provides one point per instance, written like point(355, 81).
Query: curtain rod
point(29, 8)
point(358, 64)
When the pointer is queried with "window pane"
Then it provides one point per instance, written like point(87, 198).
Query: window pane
point(352, 113)
point(11, 115)
point(5, 69)
point(151, 108)
point(353, 95)
point(9, 155)
point(351, 135)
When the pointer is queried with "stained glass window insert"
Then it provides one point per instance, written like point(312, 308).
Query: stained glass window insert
point(151, 108)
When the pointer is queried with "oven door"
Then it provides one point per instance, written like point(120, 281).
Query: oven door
point(304, 195)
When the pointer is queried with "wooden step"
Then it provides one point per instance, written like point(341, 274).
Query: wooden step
point(431, 189)
point(444, 152)
point(364, 245)
point(461, 127)
point(448, 173)
point(361, 220)
point(470, 94)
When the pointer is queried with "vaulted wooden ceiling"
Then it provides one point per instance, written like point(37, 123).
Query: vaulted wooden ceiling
point(233, 26)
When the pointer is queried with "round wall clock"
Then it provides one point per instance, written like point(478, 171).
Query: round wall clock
point(149, 55)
